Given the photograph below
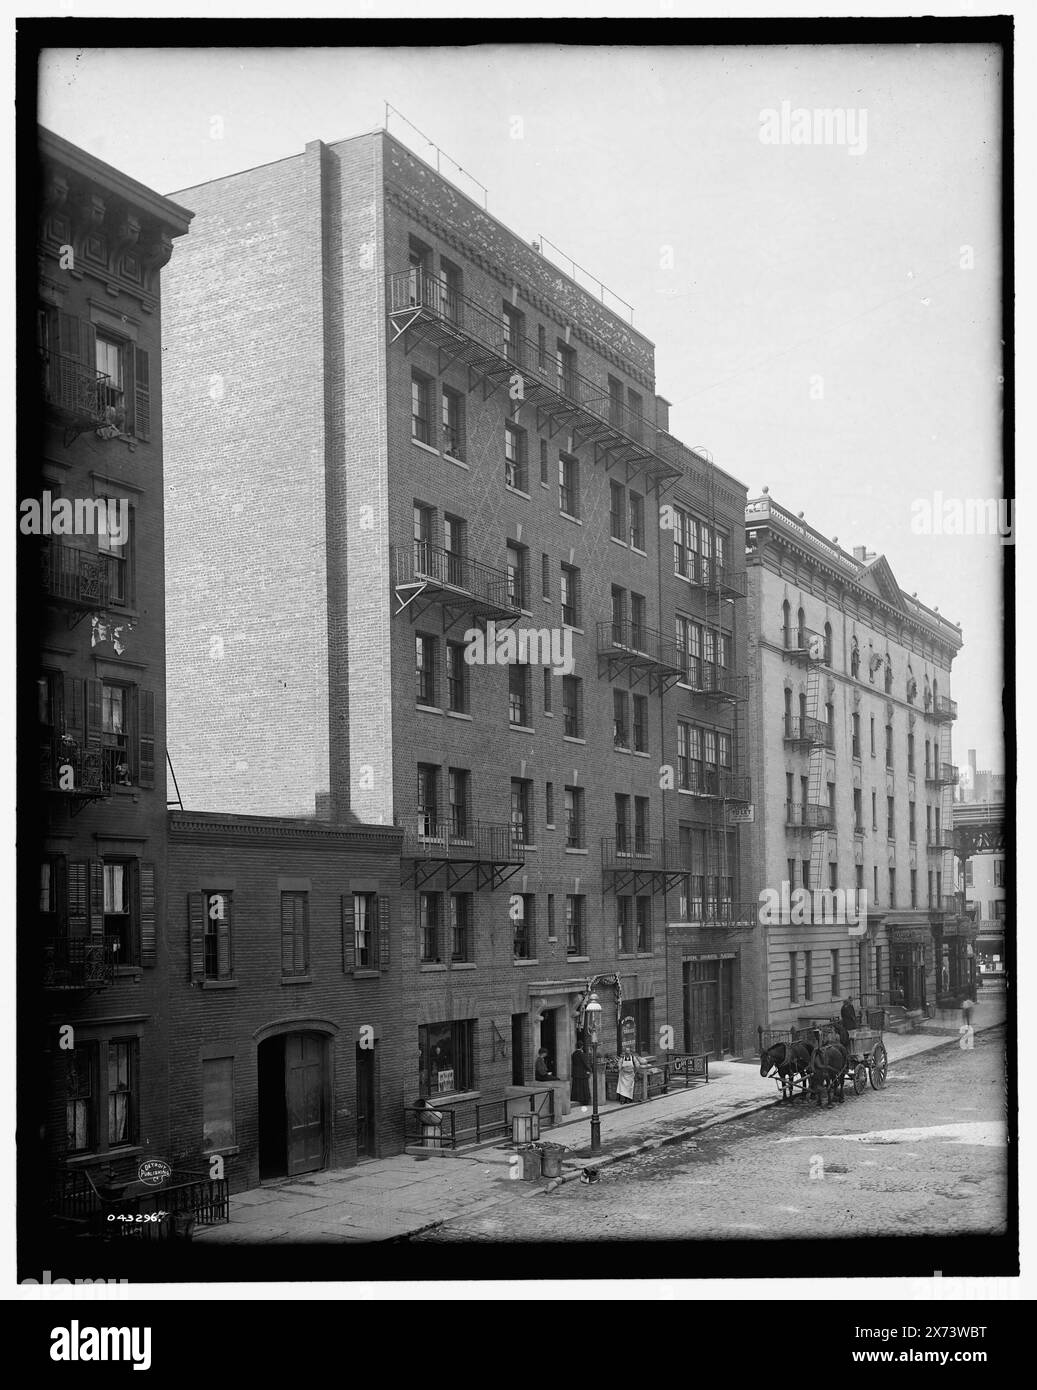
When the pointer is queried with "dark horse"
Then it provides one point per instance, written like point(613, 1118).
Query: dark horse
point(828, 1071)
point(787, 1060)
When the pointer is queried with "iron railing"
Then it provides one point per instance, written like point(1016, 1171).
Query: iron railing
point(942, 775)
point(478, 840)
point(423, 561)
point(944, 708)
point(80, 578)
point(70, 385)
point(804, 816)
point(471, 1121)
point(709, 782)
point(77, 963)
point(803, 641)
point(90, 768)
point(640, 641)
point(93, 1197)
point(937, 844)
point(816, 733)
point(707, 572)
point(946, 905)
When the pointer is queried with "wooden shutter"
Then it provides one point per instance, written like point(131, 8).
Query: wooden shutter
point(146, 764)
point(59, 892)
point(348, 934)
point(78, 900)
point(74, 714)
point(196, 934)
point(383, 933)
point(293, 933)
point(97, 902)
point(141, 393)
point(223, 939)
point(87, 348)
point(94, 717)
point(148, 916)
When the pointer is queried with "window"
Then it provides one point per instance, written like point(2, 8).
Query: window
point(689, 648)
point(804, 865)
point(551, 917)
point(911, 821)
point(643, 917)
point(911, 753)
point(622, 823)
point(514, 334)
point(872, 724)
point(637, 521)
point(914, 887)
point(425, 662)
point(422, 539)
point(620, 720)
point(122, 1086)
point(570, 595)
point(295, 933)
point(567, 381)
point(858, 812)
point(421, 407)
point(619, 616)
point(808, 975)
point(793, 982)
point(216, 934)
point(516, 568)
point(80, 1097)
point(874, 811)
point(616, 411)
point(828, 644)
point(515, 457)
point(459, 791)
point(523, 920)
point(640, 724)
point(365, 931)
point(572, 706)
point(549, 804)
point(453, 423)
point(545, 464)
point(833, 874)
point(428, 799)
point(521, 820)
point(518, 694)
point(875, 882)
point(856, 734)
point(575, 924)
point(635, 421)
point(118, 921)
point(428, 926)
point(217, 1103)
point(541, 347)
point(461, 926)
point(547, 690)
point(625, 925)
point(892, 887)
point(569, 485)
point(456, 678)
point(574, 817)
point(889, 746)
point(453, 286)
point(116, 561)
point(617, 511)
point(637, 621)
point(855, 658)
point(1000, 880)
point(890, 826)
point(116, 706)
point(835, 988)
point(545, 576)
point(110, 357)
point(446, 1053)
point(640, 825)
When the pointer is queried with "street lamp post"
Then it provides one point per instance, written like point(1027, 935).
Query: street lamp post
point(593, 1014)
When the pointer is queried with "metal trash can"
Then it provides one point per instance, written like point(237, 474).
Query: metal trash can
point(551, 1159)
point(530, 1163)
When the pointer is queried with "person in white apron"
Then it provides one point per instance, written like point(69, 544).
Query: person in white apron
point(625, 1084)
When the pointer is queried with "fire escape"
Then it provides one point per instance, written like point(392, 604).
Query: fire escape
point(813, 735)
point(944, 776)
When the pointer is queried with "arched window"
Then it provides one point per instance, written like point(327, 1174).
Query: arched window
point(855, 658)
point(912, 685)
point(828, 644)
point(786, 623)
point(889, 674)
point(801, 622)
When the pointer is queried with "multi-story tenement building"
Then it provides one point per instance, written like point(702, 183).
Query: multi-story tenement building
point(99, 708)
point(850, 726)
point(284, 994)
point(420, 570)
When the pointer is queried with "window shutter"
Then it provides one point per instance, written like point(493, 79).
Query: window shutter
point(78, 900)
point(59, 892)
point(141, 394)
point(148, 921)
point(223, 969)
point(96, 902)
point(288, 928)
point(348, 934)
point(146, 766)
point(75, 723)
point(94, 692)
point(196, 934)
point(87, 344)
point(383, 933)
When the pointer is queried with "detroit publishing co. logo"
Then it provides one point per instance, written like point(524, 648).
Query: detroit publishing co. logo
point(154, 1171)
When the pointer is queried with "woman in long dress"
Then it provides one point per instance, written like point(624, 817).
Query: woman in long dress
point(625, 1084)
point(580, 1088)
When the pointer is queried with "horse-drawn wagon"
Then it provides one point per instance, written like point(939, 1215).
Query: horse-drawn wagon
point(822, 1054)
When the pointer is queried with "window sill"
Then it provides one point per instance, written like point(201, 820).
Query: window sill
point(568, 516)
point(638, 550)
point(297, 979)
point(616, 541)
point(219, 984)
point(573, 628)
point(451, 458)
point(458, 714)
point(531, 960)
point(517, 492)
point(641, 753)
point(620, 748)
point(462, 965)
point(574, 960)
point(548, 714)
point(550, 825)
point(452, 1097)
point(104, 1155)
point(366, 972)
point(572, 850)
point(429, 709)
point(229, 1152)
point(572, 738)
point(125, 971)
point(425, 448)
point(522, 728)
point(431, 967)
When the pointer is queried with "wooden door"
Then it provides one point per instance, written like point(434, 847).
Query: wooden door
point(304, 1102)
point(365, 1102)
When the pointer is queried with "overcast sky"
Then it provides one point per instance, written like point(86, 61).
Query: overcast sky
point(818, 326)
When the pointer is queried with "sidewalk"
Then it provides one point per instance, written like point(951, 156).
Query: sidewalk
point(397, 1196)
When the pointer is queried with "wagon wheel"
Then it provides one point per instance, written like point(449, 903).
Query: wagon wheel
point(879, 1067)
point(860, 1079)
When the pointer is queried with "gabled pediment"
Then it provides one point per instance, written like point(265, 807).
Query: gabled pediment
point(879, 579)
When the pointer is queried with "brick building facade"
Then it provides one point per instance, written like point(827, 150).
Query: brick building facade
point(851, 714)
point(287, 1030)
point(98, 707)
point(399, 426)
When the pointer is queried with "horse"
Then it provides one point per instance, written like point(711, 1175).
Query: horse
point(787, 1059)
point(828, 1071)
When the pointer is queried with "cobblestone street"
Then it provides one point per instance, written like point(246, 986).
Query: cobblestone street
point(926, 1156)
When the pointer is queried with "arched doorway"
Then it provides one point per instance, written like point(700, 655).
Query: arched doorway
point(292, 1089)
